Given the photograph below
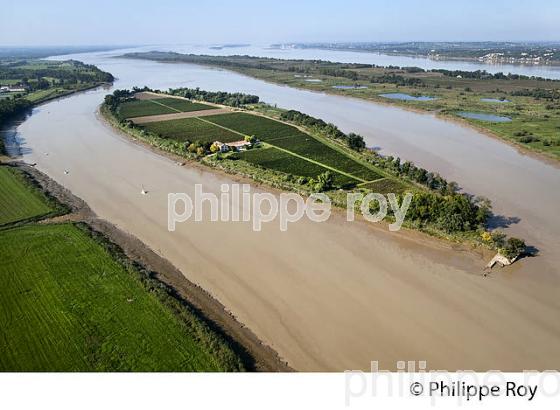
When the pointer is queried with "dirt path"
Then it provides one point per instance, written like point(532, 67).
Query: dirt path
point(179, 115)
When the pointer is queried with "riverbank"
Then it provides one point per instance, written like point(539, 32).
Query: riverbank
point(326, 296)
point(255, 355)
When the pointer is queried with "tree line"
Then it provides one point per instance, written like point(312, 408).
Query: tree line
point(77, 73)
point(216, 97)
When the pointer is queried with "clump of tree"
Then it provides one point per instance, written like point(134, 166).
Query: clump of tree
point(485, 75)
point(337, 72)
point(413, 70)
point(419, 175)
point(354, 141)
point(450, 213)
point(216, 97)
point(112, 101)
point(12, 106)
point(396, 79)
point(323, 182)
point(538, 93)
point(511, 247)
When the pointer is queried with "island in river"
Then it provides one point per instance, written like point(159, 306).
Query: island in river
point(292, 150)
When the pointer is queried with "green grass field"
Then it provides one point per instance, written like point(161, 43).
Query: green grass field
point(273, 158)
point(67, 305)
point(140, 108)
point(19, 202)
point(191, 129)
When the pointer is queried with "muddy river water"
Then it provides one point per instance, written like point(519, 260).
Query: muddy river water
point(333, 295)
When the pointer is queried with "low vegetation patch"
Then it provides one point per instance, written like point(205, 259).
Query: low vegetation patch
point(68, 305)
point(140, 108)
point(19, 201)
point(290, 138)
point(72, 301)
point(265, 129)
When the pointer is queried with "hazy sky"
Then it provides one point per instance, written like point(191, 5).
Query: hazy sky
point(65, 22)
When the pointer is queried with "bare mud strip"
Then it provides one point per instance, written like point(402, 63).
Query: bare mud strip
point(179, 115)
point(256, 355)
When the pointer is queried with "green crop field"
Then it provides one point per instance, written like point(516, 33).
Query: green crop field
point(191, 129)
point(233, 126)
point(67, 305)
point(19, 202)
point(386, 185)
point(290, 138)
point(273, 158)
point(311, 148)
point(264, 129)
point(140, 108)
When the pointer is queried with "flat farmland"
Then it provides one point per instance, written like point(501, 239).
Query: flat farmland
point(290, 138)
point(67, 305)
point(157, 106)
point(234, 126)
point(273, 158)
point(191, 129)
point(386, 185)
point(309, 147)
point(18, 202)
point(265, 129)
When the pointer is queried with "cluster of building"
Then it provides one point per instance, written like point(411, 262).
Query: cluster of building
point(525, 58)
point(231, 146)
point(12, 89)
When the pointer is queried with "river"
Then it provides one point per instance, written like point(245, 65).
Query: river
point(330, 296)
point(546, 71)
